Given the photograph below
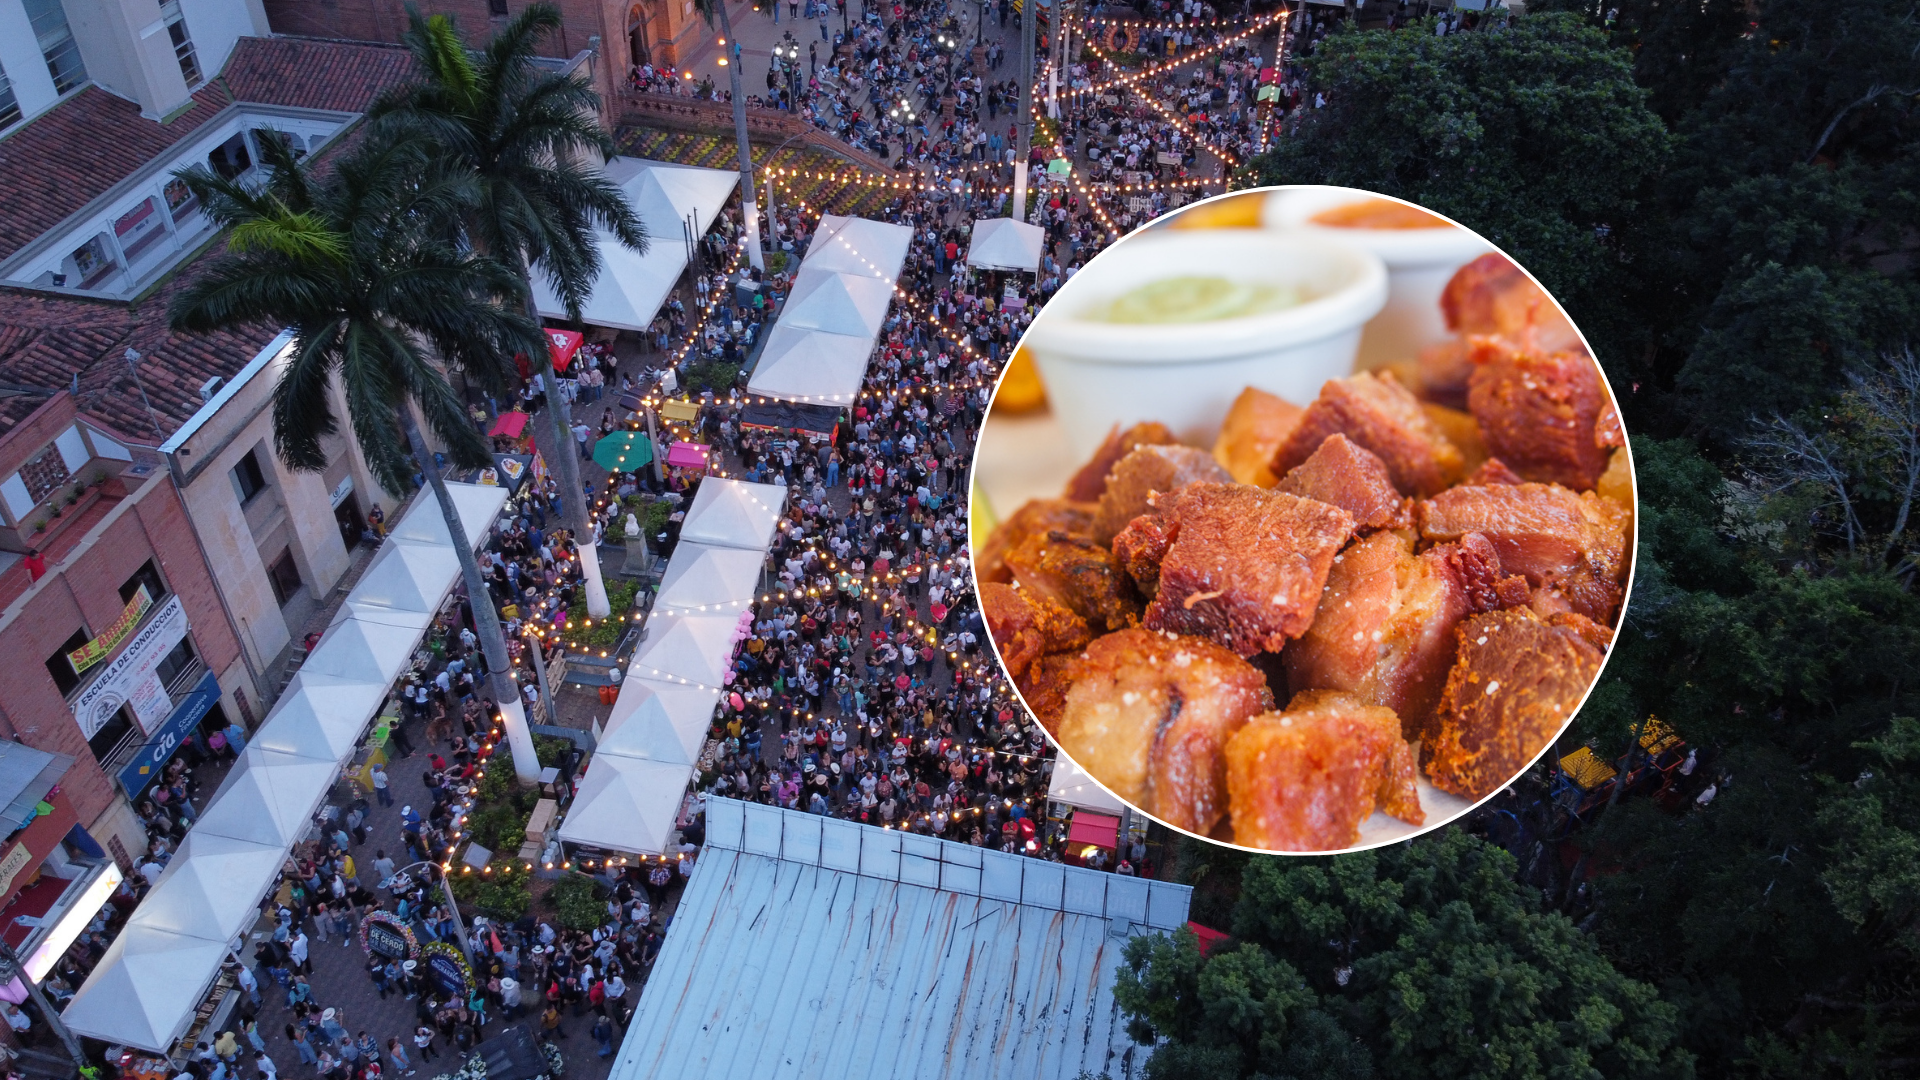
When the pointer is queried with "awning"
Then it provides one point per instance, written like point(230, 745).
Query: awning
point(684, 411)
point(26, 775)
point(626, 804)
point(510, 424)
point(1006, 244)
point(818, 349)
point(798, 364)
point(687, 455)
point(632, 286)
point(734, 513)
point(793, 416)
point(1210, 939)
point(1072, 785)
point(693, 648)
point(708, 577)
point(1096, 829)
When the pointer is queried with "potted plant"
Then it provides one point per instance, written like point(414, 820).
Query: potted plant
point(40, 526)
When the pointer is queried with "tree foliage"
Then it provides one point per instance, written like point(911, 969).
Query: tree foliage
point(1726, 205)
point(1424, 959)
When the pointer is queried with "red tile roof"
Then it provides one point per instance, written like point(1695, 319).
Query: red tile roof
point(71, 155)
point(45, 339)
point(313, 73)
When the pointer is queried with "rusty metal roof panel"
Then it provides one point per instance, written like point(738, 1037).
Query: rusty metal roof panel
point(808, 947)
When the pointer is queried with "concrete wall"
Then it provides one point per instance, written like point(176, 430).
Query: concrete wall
point(668, 22)
point(20, 56)
point(296, 512)
point(217, 25)
point(128, 51)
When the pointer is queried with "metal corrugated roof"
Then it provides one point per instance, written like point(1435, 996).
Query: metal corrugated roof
point(26, 775)
point(810, 947)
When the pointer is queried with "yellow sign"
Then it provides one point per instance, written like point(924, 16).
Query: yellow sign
point(96, 650)
point(10, 867)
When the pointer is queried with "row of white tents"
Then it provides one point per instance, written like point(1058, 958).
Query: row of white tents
point(633, 787)
point(818, 349)
point(144, 991)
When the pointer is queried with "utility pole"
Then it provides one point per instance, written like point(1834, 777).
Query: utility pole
point(1023, 123)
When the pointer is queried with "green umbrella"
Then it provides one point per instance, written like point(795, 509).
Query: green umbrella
point(623, 451)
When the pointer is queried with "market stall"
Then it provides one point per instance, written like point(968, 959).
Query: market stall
point(810, 421)
point(818, 349)
point(160, 980)
point(1006, 244)
point(632, 285)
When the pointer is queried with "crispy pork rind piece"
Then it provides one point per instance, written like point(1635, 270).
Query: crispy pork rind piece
point(1462, 430)
point(1540, 412)
point(1440, 375)
point(1149, 715)
point(1352, 478)
point(1091, 480)
point(1046, 687)
point(1079, 575)
point(1376, 412)
point(1572, 545)
point(1027, 626)
point(1238, 565)
point(1305, 779)
point(1145, 472)
point(1036, 517)
point(1490, 295)
point(1492, 472)
point(1517, 680)
point(1257, 423)
point(1384, 629)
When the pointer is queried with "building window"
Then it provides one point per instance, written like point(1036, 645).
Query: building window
point(9, 105)
point(182, 44)
point(497, 8)
point(113, 736)
point(230, 158)
point(57, 44)
point(147, 575)
point(248, 480)
point(61, 668)
point(44, 473)
point(180, 661)
point(285, 577)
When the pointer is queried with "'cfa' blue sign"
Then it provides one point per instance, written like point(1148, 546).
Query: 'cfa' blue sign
point(147, 760)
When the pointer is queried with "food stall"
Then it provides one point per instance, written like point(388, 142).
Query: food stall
point(509, 431)
point(809, 421)
point(690, 457)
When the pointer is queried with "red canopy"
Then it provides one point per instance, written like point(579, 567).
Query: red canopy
point(510, 424)
point(1100, 830)
point(1209, 937)
point(562, 344)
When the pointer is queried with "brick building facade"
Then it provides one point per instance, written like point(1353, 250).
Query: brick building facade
point(624, 32)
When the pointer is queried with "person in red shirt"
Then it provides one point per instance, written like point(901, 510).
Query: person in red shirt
point(36, 564)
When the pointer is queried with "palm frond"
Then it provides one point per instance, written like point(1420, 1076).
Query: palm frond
point(302, 410)
point(299, 237)
point(435, 44)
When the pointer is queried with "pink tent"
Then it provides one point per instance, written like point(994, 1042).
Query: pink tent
point(687, 455)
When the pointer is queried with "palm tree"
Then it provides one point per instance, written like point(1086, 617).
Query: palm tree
point(379, 298)
point(749, 209)
point(528, 138)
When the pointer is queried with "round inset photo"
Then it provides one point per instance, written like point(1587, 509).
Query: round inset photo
point(1308, 533)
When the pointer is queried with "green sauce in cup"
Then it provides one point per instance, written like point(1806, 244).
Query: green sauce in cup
point(1193, 299)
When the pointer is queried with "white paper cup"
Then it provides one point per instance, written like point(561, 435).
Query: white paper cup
point(1420, 262)
point(1186, 374)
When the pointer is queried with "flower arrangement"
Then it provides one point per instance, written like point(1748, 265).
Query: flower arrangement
point(392, 922)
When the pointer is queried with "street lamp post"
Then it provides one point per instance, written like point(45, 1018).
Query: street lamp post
point(10, 969)
point(446, 892)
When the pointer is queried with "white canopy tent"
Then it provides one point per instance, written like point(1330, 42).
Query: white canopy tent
point(644, 757)
point(144, 990)
point(818, 349)
point(1006, 244)
point(811, 366)
point(626, 804)
point(705, 577)
point(688, 708)
point(838, 304)
point(1072, 785)
point(214, 886)
point(734, 513)
point(632, 286)
point(647, 731)
point(690, 648)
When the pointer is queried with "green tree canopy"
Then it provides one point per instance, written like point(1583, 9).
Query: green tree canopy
point(1424, 959)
